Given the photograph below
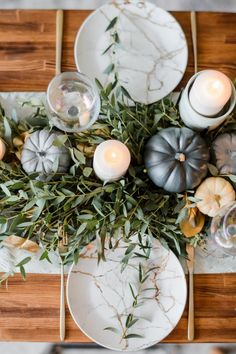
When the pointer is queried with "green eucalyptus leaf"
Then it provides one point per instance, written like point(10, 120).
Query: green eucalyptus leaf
point(232, 178)
point(79, 156)
point(81, 229)
point(133, 335)
point(87, 171)
point(111, 329)
point(131, 323)
point(23, 262)
point(112, 24)
point(98, 83)
point(60, 140)
point(107, 50)
point(109, 69)
point(125, 93)
point(45, 255)
point(22, 270)
point(5, 189)
point(127, 227)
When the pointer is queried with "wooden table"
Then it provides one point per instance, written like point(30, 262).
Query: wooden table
point(29, 311)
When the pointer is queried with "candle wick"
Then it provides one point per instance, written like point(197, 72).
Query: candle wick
point(73, 111)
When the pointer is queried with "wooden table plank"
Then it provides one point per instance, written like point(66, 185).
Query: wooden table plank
point(27, 45)
point(29, 311)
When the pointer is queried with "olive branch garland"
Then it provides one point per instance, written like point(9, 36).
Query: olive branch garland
point(77, 201)
point(80, 206)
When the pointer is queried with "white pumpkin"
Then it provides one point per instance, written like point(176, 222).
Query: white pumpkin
point(39, 153)
point(214, 193)
point(2, 149)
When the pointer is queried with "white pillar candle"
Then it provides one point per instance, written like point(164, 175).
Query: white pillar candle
point(111, 160)
point(210, 92)
point(2, 149)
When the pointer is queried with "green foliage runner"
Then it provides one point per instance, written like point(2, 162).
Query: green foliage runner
point(66, 212)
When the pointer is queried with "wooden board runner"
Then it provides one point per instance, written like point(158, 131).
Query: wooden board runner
point(29, 311)
point(27, 45)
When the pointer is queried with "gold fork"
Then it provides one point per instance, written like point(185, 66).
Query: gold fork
point(190, 265)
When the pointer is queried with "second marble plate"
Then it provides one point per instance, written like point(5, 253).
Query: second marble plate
point(102, 297)
point(150, 55)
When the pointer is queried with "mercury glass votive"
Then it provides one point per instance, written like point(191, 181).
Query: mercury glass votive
point(223, 229)
point(73, 102)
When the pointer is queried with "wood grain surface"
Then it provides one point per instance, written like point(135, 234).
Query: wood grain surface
point(29, 311)
point(27, 45)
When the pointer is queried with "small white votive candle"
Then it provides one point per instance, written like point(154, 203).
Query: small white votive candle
point(111, 160)
point(2, 149)
point(210, 92)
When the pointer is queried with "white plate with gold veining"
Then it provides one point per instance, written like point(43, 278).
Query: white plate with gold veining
point(100, 297)
point(151, 57)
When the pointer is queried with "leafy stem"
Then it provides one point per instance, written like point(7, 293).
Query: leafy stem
point(131, 319)
point(112, 47)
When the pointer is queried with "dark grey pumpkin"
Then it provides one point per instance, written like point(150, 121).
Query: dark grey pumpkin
point(176, 159)
point(224, 150)
point(40, 155)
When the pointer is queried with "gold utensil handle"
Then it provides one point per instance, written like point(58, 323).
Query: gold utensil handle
point(59, 38)
point(62, 306)
point(191, 308)
point(194, 39)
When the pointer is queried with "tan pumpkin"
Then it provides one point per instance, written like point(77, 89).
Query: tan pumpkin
point(2, 149)
point(214, 193)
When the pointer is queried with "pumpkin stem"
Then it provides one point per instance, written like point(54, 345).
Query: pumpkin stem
point(180, 156)
point(42, 153)
point(217, 199)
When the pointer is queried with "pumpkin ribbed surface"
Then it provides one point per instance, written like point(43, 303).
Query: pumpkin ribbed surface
point(176, 159)
point(224, 149)
point(214, 193)
point(40, 155)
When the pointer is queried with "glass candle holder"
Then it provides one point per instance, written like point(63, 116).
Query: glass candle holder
point(223, 229)
point(73, 102)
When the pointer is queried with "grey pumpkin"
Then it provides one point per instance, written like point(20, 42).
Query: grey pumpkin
point(39, 154)
point(224, 151)
point(176, 159)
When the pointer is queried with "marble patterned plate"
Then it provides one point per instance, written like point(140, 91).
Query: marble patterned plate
point(151, 57)
point(100, 298)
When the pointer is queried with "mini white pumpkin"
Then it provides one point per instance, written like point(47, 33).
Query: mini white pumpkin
point(2, 149)
point(39, 154)
point(214, 193)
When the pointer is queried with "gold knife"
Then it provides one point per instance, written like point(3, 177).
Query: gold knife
point(193, 20)
point(190, 249)
point(59, 39)
point(190, 265)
